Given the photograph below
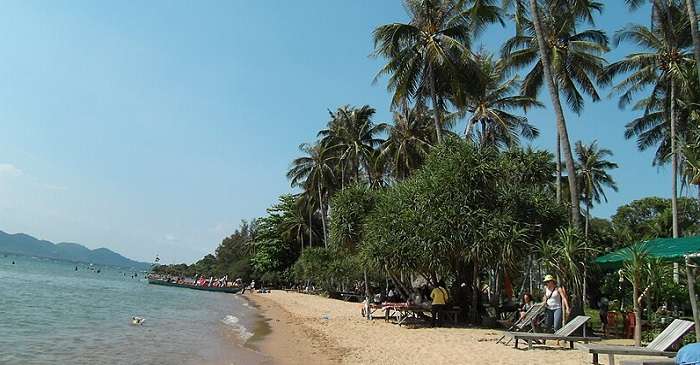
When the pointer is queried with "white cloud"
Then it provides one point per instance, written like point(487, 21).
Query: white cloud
point(10, 170)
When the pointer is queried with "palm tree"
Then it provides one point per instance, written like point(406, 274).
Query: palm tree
point(635, 270)
point(409, 141)
point(660, 67)
point(353, 137)
point(592, 174)
point(492, 104)
point(565, 60)
point(314, 173)
point(427, 54)
point(692, 15)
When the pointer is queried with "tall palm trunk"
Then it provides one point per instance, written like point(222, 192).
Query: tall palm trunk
point(311, 226)
point(674, 161)
point(437, 115)
point(323, 216)
point(586, 200)
point(690, 5)
point(637, 312)
point(561, 123)
point(558, 169)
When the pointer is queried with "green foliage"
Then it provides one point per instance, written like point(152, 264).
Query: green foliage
point(467, 204)
point(350, 207)
point(329, 268)
point(274, 246)
point(650, 217)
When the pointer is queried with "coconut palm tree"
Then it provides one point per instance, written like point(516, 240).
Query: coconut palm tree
point(409, 140)
point(428, 54)
point(492, 104)
point(567, 61)
point(592, 175)
point(660, 66)
point(352, 135)
point(314, 173)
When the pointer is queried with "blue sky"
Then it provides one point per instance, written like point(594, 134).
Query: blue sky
point(155, 127)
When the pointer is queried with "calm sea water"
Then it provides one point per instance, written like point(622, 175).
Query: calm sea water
point(52, 314)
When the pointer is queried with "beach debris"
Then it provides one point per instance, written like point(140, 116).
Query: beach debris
point(138, 321)
point(327, 317)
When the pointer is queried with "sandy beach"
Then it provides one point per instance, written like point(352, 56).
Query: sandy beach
point(307, 329)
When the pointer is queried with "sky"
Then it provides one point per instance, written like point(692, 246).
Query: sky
point(155, 127)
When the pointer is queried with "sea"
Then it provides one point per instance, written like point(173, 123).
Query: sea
point(57, 312)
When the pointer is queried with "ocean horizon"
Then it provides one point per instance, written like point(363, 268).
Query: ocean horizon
point(60, 312)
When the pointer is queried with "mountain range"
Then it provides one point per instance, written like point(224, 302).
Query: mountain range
point(24, 244)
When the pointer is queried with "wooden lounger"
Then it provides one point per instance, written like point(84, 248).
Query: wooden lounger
point(659, 347)
point(650, 362)
point(563, 334)
point(524, 323)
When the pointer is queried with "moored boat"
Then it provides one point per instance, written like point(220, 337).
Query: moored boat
point(232, 290)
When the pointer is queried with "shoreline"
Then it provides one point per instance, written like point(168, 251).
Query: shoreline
point(309, 329)
point(285, 338)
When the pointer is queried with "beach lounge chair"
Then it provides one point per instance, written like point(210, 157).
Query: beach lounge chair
point(659, 347)
point(563, 334)
point(650, 362)
point(524, 323)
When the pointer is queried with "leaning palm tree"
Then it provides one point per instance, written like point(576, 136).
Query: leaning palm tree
point(567, 61)
point(352, 135)
point(592, 174)
point(427, 55)
point(659, 66)
point(314, 173)
point(409, 140)
point(491, 107)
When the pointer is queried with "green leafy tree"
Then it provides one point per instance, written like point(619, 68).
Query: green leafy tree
point(465, 211)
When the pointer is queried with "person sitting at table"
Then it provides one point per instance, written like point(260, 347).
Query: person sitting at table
point(439, 300)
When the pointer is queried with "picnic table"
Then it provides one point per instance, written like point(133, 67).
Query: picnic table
point(401, 312)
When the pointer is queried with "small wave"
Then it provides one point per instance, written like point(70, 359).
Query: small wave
point(243, 332)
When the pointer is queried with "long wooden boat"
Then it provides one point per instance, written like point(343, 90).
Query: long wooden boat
point(232, 290)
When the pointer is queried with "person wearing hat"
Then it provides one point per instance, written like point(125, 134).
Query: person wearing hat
point(556, 303)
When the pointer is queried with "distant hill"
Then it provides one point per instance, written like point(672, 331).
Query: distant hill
point(23, 244)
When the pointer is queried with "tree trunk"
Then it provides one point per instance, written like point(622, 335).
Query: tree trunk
point(323, 217)
point(637, 313)
point(558, 169)
point(588, 212)
point(433, 95)
point(367, 295)
point(674, 162)
point(476, 293)
point(690, 5)
point(690, 271)
point(468, 131)
point(561, 122)
point(311, 227)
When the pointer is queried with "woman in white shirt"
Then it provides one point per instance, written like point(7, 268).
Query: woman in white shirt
point(556, 303)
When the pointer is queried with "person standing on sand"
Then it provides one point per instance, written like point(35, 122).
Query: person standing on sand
point(556, 303)
point(439, 297)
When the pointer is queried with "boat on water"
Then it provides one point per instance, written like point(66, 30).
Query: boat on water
point(224, 289)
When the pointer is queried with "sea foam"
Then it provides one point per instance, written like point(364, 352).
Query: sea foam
point(233, 321)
